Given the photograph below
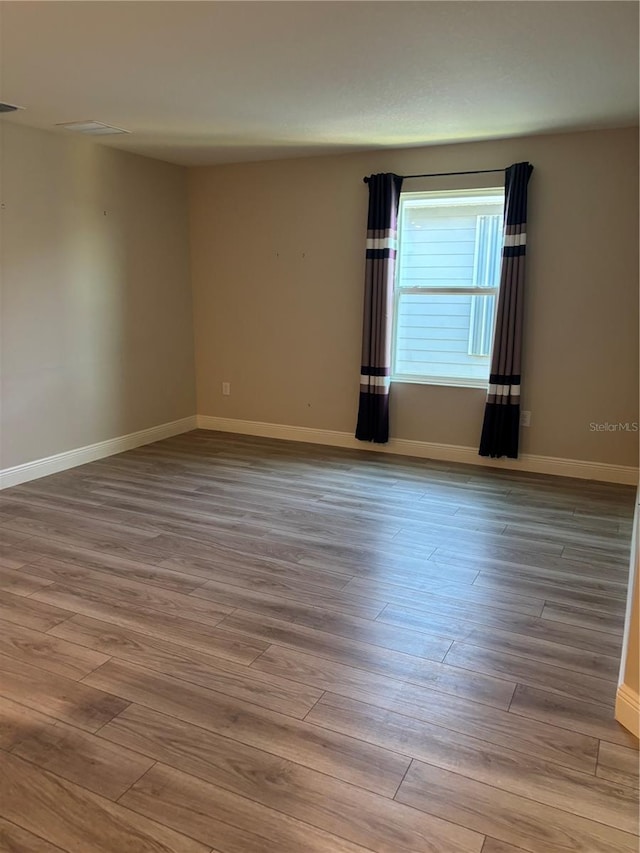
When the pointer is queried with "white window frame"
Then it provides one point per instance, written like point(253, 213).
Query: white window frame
point(473, 196)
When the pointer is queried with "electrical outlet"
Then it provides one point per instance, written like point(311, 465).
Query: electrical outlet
point(525, 419)
point(226, 388)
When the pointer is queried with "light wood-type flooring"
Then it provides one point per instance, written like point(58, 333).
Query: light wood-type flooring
point(221, 643)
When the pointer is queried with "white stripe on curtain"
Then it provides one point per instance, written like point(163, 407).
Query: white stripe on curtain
point(505, 390)
point(382, 381)
point(382, 243)
point(516, 239)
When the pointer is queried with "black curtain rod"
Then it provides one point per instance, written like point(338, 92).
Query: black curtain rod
point(446, 174)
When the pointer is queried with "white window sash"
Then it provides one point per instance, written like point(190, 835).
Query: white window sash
point(479, 289)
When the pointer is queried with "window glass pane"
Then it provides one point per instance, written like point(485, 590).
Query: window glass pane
point(432, 337)
point(486, 273)
point(438, 243)
point(448, 241)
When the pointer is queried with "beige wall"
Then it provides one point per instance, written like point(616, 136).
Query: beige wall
point(97, 315)
point(97, 335)
point(277, 269)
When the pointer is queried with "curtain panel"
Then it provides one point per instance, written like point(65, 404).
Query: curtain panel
point(375, 370)
point(501, 426)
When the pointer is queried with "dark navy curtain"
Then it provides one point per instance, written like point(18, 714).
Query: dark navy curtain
point(501, 427)
point(375, 370)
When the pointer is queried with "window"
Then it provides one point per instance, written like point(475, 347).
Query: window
point(447, 279)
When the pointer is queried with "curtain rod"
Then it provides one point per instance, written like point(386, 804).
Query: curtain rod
point(446, 174)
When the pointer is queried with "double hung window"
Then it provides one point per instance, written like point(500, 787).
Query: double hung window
point(446, 289)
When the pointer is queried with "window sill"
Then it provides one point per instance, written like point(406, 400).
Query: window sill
point(478, 384)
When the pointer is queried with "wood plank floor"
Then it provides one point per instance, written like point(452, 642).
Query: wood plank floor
point(228, 644)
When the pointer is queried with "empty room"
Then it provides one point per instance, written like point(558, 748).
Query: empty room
point(319, 424)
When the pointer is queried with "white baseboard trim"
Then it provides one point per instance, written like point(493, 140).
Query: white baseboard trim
point(332, 438)
point(427, 450)
point(628, 709)
point(70, 458)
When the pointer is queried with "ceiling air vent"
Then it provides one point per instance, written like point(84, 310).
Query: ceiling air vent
point(9, 108)
point(92, 128)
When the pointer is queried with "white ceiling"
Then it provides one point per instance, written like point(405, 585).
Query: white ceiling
point(214, 82)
